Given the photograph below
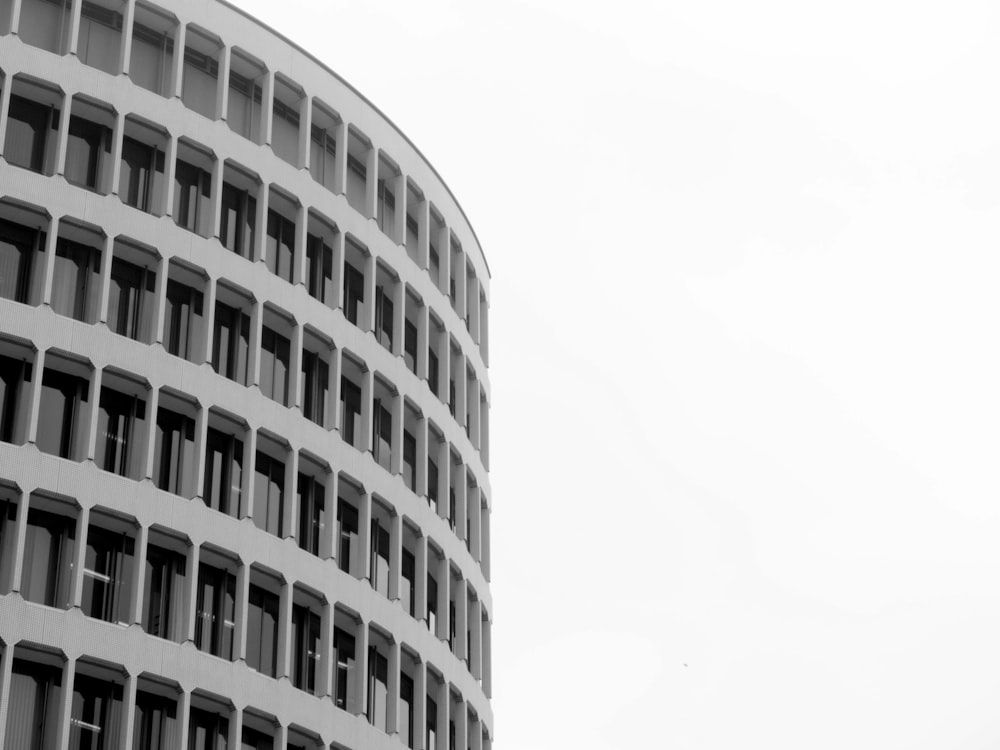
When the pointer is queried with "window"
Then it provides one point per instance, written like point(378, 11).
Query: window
point(432, 602)
point(47, 568)
point(207, 730)
point(174, 460)
point(236, 224)
point(379, 561)
point(223, 472)
point(274, 357)
point(312, 499)
point(410, 345)
point(280, 245)
point(14, 373)
point(343, 646)
point(181, 318)
point(434, 265)
point(254, 739)
point(131, 299)
point(430, 738)
point(119, 445)
point(192, 187)
point(322, 156)
point(215, 611)
point(163, 587)
point(140, 163)
point(432, 483)
point(285, 123)
point(58, 413)
point(201, 73)
point(244, 115)
point(410, 460)
point(96, 714)
point(382, 436)
point(262, 631)
point(432, 370)
point(152, 51)
point(405, 723)
point(18, 247)
point(28, 126)
point(315, 380)
point(35, 706)
point(99, 42)
point(107, 575)
point(408, 591)
point(354, 292)
point(383, 317)
point(357, 178)
point(305, 647)
point(75, 279)
point(347, 534)
point(378, 688)
point(86, 149)
point(350, 411)
point(319, 268)
point(231, 343)
point(386, 209)
point(269, 494)
point(155, 722)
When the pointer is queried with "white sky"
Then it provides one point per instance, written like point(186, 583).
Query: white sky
point(745, 368)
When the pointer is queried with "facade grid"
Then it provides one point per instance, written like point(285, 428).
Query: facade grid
point(244, 399)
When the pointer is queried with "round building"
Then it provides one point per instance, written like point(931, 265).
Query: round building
point(244, 401)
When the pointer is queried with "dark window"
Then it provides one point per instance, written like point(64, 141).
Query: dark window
point(163, 611)
point(280, 245)
point(140, 163)
point(231, 343)
point(350, 411)
point(410, 345)
point(35, 706)
point(262, 631)
point(174, 452)
point(130, 300)
point(107, 575)
point(347, 533)
point(379, 561)
point(86, 146)
point(451, 624)
point(382, 435)
point(256, 740)
point(408, 569)
point(58, 413)
point(432, 370)
point(236, 225)
point(432, 483)
point(223, 472)
point(119, 448)
point(96, 714)
point(269, 494)
point(378, 688)
point(434, 265)
point(315, 382)
point(192, 186)
point(215, 611)
point(182, 315)
point(319, 268)
point(383, 317)
point(405, 723)
point(155, 722)
point(14, 373)
point(432, 603)
point(312, 514)
point(207, 730)
point(343, 646)
point(430, 738)
point(410, 460)
point(28, 126)
point(47, 568)
point(18, 246)
point(305, 647)
point(354, 292)
point(274, 358)
point(75, 279)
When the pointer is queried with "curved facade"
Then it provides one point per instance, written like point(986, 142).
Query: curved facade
point(244, 499)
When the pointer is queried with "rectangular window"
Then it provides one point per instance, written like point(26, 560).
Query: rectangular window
point(405, 723)
point(215, 613)
point(223, 472)
point(386, 209)
point(378, 688)
point(285, 131)
point(343, 646)
point(107, 575)
point(280, 245)
point(409, 460)
point(231, 343)
point(269, 494)
point(274, 358)
point(379, 561)
point(432, 603)
point(434, 265)
point(322, 156)
point(163, 587)
point(192, 189)
point(357, 180)
point(432, 371)
point(408, 591)
point(100, 37)
point(319, 268)
point(155, 722)
point(430, 738)
point(207, 730)
point(140, 163)
point(244, 106)
point(88, 145)
point(305, 647)
point(76, 277)
point(118, 438)
point(262, 631)
point(181, 318)
point(47, 567)
point(131, 299)
point(151, 54)
point(354, 292)
point(35, 706)
point(347, 534)
point(201, 73)
point(383, 317)
point(350, 411)
point(174, 456)
point(432, 483)
point(312, 500)
point(59, 413)
point(18, 247)
point(382, 434)
point(236, 224)
point(28, 126)
point(315, 382)
point(410, 345)
point(14, 373)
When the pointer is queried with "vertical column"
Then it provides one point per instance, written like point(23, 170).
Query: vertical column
point(362, 568)
point(399, 223)
point(444, 598)
point(369, 303)
point(327, 663)
point(396, 450)
point(342, 134)
point(222, 92)
point(444, 257)
point(236, 728)
point(6, 668)
point(89, 420)
point(170, 165)
point(285, 599)
point(337, 300)
point(367, 389)
point(193, 563)
point(472, 307)
point(260, 223)
point(423, 324)
point(299, 256)
point(160, 299)
point(118, 139)
point(460, 290)
point(183, 718)
point(395, 554)
point(476, 735)
point(421, 458)
point(256, 333)
point(177, 79)
point(267, 107)
point(126, 728)
point(218, 176)
point(74, 25)
point(80, 557)
point(15, 18)
point(246, 481)
point(200, 444)
point(327, 540)
point(8, 82)
point(484, 541)
point(65, 709)
point(242, 604)
point(461, 509)
point(336, 366)
point(423, 234)
point(392, 700)
point(444, 479)
point(280, 736)
point(305, 131)
point(462, 620)
point(207, 342)
point(487, 649)
point(361, 665)
point(461, 725)
point(461, 378)
point(290, 510)
point(476, 644)
point(443, 715)
point(295, 367)
point(107, 257)
point(398, 317)
point(419, 705)
point(444, 366)
point(136, 585)
point(420, 572)
point(62, 134)
point(371, 182)
point(15, 576)
point(475, 523)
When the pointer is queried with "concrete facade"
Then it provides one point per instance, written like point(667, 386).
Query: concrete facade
point(244, 452)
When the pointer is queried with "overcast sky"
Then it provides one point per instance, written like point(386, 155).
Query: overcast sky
point(744, 355)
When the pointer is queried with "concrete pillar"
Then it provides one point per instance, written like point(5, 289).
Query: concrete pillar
point(444, 598)
point(62, 133)
point(396, 450)
point(420, 585)
point(290, 510)
point(327, 534)
point(392, 699)
point(299, 254)
point(399, 223)
point(371, 182)
point(136, 585)
point(193, 563)
point(341, 134)
point(283, 669)
point(80, 556)
point(267, 107)
point(423, 326)
point(398, 317)
point(222, 92)
point(177, 81)
point(361, 665)
point(395, 555)
point(305, 131)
